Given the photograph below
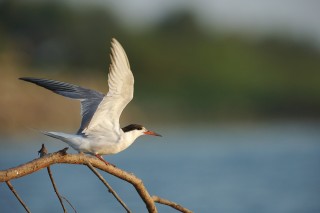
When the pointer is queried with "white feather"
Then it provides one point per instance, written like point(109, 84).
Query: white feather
point(120, 81)
point(100, 132)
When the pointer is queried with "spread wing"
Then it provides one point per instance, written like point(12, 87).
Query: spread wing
point(120, 81)
point(90, 99)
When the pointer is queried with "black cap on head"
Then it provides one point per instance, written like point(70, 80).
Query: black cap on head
point(132, 127)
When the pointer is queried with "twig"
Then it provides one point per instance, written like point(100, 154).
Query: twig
point(56, 189)
point(17, 196)
point(108, 186)
point(42, 152)
point(171, 204)
point(69, 203)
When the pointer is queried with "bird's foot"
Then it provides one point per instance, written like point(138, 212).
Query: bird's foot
point(106, 162)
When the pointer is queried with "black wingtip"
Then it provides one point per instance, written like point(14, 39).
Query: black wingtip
point(25, 78)
point(38, 81)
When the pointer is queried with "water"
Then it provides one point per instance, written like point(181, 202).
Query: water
point(263, 168)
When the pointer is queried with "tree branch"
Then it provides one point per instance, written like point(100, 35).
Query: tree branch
point(171, 204)
point(42, 152)
point(108, 186)
point(62, 157)
point(17, 196)
point(56, 189)
point(69, 203)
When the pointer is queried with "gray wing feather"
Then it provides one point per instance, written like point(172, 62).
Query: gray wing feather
point(90, 99)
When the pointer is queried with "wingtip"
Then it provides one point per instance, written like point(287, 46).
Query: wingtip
point(114, 40)
point(24, 78)
point(115, 43)
point(28, 79)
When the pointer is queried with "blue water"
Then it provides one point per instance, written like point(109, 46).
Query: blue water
point(241, 169)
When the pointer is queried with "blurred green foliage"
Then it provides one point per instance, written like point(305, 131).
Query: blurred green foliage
point(182, 69)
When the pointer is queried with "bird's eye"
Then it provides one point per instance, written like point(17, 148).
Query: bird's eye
point(139, 128)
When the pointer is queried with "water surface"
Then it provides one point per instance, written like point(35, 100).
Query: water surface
point(241, 169)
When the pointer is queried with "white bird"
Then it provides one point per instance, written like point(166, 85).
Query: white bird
point(100, 132)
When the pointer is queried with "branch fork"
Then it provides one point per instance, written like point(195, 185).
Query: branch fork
point(62, 157)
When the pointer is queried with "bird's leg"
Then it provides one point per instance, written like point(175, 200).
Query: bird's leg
point(101, 158)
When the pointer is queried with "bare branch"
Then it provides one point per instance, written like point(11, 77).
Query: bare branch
point(108, 186)
point(17, 196)
point(92, 162)
point(69, 204)
point(42, 152)
point(56, 189)
point(62, 157)
point(170, 203)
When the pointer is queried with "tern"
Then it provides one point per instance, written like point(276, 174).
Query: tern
point(100, 132)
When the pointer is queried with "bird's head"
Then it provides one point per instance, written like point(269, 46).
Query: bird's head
point(138, 130)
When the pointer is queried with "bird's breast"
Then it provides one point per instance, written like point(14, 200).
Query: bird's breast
point(106, 144)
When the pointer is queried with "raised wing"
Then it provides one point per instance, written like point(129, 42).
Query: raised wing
point(120, 81)
point(90, 99)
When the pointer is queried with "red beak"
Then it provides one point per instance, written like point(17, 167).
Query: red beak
point(152, 133)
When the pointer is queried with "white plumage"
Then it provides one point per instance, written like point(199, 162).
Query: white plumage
point(100, 132)
point(120, 81)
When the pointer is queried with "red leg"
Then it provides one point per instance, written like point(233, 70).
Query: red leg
point(100, 157)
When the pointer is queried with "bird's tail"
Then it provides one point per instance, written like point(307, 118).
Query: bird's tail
point(71, 140)
point(67, 138)
point(57, 135)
